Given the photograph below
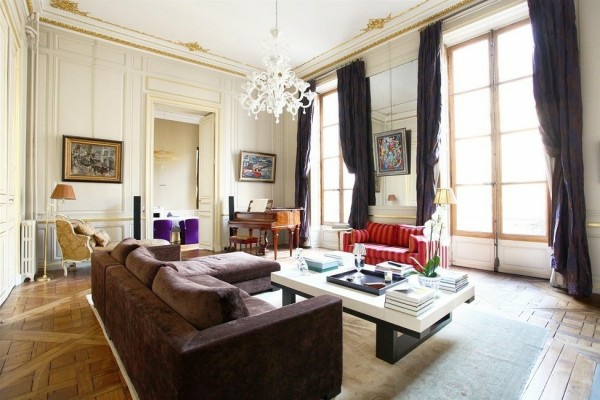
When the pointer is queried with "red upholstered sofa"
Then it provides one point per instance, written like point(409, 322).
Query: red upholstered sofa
point(389, 242)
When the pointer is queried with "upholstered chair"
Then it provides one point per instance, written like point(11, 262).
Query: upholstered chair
point(189, 230)
point(162, 229)
point(74, 247)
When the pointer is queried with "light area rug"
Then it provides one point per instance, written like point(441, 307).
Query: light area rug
point(477, 356)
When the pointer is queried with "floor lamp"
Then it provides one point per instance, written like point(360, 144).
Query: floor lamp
point(444, 197)
point(61, 192)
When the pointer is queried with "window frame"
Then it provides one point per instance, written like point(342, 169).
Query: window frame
point(495, 139)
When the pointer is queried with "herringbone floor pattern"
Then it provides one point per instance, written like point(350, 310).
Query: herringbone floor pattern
point(52, 347)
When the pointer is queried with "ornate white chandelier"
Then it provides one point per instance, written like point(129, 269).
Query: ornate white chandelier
point(277, 87)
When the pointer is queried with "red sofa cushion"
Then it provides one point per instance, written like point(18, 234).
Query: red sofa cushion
point(383, 233)
point(404, 232)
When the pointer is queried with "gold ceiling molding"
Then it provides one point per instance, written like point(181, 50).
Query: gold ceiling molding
point(138, 46)
point(377, 23)
point(73, 8)
point(68, 6)
point(193, 46)
point(417, 25)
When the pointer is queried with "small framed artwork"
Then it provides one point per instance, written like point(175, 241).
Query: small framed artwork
point(92, 160)
point(257, 167)
point(392, 152)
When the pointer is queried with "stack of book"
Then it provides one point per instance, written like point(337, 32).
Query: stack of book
point(453, 281)
point(343, 258)
point(413, 301)
point(320, 264)
point(396, 268)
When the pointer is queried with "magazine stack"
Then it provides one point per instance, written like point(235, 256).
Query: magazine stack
point(453, 281)
point(413, 301)
point(396, 268)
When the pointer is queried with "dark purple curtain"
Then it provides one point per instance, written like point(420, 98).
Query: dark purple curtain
point(355, 137)
point(303, 167)
point(429, 112)
point(557, 92)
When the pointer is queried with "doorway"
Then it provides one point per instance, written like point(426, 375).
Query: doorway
point(181, 138)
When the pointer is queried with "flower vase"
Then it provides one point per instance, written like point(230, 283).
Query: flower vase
point(433, 283)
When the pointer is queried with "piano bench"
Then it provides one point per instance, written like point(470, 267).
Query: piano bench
point(243, 240)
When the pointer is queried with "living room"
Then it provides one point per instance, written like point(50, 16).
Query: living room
point(78, 78)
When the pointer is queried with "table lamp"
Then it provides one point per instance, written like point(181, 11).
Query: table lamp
point(61, 192)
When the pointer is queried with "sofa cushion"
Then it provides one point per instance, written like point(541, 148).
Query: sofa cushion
point(122, 250)
point(404, 232)
point(142, 263)
point(383, 233)
point(101, 237)
point(83, 228)
point(413, 243)
point(204, 302)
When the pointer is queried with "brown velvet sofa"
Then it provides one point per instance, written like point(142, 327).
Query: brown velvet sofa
point(183, 332)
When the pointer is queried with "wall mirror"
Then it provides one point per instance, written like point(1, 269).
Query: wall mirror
point(394, 106)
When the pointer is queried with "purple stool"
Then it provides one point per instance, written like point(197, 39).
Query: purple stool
point(189, 230)
point(162, 229)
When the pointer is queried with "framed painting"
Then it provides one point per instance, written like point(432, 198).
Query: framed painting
point(257, 167)
point(92, 160)
point(392, 152)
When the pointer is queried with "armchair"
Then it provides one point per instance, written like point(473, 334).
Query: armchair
point(74, 247)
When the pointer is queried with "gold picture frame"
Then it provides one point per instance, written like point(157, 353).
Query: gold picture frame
point(257, 167)
point(92, 160)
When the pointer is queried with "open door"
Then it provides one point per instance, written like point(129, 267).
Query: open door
point(206, 182)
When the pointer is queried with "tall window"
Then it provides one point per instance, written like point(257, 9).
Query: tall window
point(499, 167)
point(336, 182)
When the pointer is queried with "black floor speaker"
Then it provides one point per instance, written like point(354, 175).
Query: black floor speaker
point(137, 217)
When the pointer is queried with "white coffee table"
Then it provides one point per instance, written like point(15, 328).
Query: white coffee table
point(397, 333)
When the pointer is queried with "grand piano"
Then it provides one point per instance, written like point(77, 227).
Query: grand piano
point(273, 219)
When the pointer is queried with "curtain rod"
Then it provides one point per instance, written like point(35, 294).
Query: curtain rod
point(334, 70)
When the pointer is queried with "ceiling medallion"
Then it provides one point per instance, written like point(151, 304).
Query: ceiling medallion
point(377, 23)
point(277, 87)
point(193, 46)
point(69, 6)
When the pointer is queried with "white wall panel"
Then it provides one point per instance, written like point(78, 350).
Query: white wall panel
point(184, 89)
point(109, 98)
point(72, 44)
point(74, 91)
point(473, 252)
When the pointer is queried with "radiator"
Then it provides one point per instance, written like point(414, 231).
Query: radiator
point(28, 261)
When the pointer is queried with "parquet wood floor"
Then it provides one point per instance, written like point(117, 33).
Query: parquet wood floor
point(52, 347)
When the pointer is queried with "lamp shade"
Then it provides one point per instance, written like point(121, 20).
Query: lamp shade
point(392, 197)
point(444, 196)
point(63, 192)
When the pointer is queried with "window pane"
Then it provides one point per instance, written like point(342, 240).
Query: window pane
point(472, 114)
point(331, 141)
point(524, 209)
point(348, 179)
point(515, 53)
point(474, 208)
point(470, 66)
point(523, 158)
point(517, 106)
point(330, 109)
point(473, 161)
point(331, 173)
point(331, 206)
point(347, 204)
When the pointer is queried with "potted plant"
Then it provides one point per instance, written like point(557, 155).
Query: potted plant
point(437, 233)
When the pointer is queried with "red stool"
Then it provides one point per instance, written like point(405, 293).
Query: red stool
point(243, 240)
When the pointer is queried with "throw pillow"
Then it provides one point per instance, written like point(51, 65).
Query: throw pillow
point(122, 250)
point(142, 263)
point(102, 238)
point(405, 231)
point(203, 303)
point(83, 228)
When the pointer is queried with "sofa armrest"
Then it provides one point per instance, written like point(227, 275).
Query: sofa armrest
point(291, 352)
